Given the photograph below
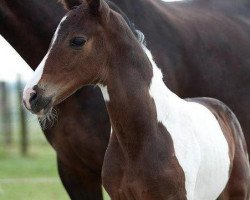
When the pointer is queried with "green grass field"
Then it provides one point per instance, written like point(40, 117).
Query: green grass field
point(33, 177)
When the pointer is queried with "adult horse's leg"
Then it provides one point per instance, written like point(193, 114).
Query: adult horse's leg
point(80, 142)
point(80, 185)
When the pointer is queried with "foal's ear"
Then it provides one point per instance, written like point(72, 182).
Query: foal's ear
point(97, 6)
point(94, 5)
point(69, 4)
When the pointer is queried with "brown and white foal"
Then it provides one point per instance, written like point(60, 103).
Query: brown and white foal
point(161, 146)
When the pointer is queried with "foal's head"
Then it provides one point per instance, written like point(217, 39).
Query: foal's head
point(79, 54)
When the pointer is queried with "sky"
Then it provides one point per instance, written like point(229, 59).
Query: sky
point(11, 64)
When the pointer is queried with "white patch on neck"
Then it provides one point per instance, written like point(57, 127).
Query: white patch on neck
point(39, 70)
point(105, 93)
point(200, 145)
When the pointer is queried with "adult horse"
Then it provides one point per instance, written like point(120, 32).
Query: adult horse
point(195, 55)
point(200, 141)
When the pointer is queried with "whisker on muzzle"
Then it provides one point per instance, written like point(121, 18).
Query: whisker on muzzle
point(49, 120)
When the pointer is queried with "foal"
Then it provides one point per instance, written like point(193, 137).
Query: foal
point(161, 146)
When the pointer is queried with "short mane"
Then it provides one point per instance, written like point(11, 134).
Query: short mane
point(139, 35)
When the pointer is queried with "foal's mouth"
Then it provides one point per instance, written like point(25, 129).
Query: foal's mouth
point(42, 111)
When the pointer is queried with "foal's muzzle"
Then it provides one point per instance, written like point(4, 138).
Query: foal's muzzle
point(35, 101)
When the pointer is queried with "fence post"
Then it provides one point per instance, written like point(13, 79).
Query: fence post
point(23, 124)
point(6, 114)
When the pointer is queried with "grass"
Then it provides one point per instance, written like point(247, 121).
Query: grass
point(33, 177)
point(35, 191)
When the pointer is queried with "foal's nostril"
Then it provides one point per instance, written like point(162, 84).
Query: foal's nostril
point(35, 100)
point(33, 96)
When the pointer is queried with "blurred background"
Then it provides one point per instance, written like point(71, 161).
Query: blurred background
point(27, 162)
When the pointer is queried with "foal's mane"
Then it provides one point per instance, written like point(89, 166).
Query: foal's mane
point(139, 35)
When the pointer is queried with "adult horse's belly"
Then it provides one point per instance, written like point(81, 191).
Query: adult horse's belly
point(201, 149)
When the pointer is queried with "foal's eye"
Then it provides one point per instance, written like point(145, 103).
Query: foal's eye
point(77, 41)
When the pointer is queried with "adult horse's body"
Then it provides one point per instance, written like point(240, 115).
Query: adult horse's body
point(156, 136)
point(190, 54)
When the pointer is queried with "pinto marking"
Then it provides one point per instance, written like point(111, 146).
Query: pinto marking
point(194, 130)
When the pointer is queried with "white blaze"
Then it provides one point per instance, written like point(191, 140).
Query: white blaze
point(36, 75)
point(39, 70)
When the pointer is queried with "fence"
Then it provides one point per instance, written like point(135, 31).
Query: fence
point(13, 116)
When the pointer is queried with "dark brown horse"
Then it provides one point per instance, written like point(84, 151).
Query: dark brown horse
point(156, 136)
point(182, 34)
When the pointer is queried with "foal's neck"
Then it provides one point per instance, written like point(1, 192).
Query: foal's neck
point(130, 105)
